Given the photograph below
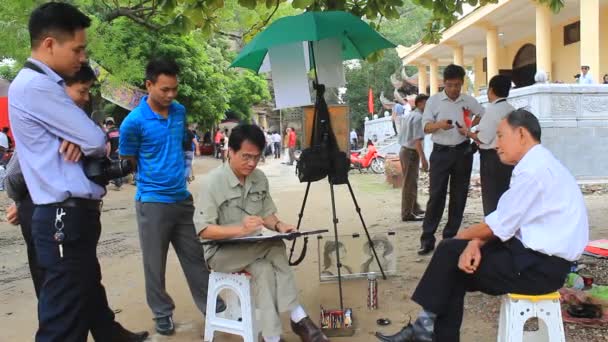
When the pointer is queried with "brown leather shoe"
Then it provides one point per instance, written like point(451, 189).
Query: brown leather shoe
point(308, 331)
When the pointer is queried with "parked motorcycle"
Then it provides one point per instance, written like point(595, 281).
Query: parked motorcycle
point(371, 160)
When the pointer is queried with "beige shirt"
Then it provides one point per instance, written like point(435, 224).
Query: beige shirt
point(441, 107)
point(224, 201)
point(495, 112)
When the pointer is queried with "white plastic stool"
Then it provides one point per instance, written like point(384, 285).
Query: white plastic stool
point(517, 309)
point(239, 284)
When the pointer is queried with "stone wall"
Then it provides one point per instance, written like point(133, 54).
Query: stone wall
point(574, 121)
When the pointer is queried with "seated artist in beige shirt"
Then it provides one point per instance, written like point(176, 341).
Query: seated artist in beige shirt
point(235, 202)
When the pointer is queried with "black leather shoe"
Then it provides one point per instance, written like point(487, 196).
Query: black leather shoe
point(220, 305)
point(120, 334)
point(407, 334)
point(426, 248)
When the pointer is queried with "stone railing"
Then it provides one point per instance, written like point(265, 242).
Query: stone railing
point(574, 121)
point(378, 129)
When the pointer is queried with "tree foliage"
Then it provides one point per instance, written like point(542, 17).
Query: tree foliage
point(14, 37)
point(403, 31)
point(207, 87)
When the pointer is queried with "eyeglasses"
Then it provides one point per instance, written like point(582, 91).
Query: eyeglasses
point(250, 157)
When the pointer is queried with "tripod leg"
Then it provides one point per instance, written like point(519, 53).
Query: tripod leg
point(338, 263)
point(369, 239)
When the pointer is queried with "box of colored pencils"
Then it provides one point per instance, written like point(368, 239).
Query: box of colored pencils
point(337, 323)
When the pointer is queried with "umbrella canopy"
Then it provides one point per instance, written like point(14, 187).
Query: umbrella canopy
point(359, 40)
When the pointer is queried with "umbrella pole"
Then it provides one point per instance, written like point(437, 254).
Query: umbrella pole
point(313, 62)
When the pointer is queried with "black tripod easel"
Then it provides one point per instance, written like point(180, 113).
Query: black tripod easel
point(320, 89)
point(335, 222)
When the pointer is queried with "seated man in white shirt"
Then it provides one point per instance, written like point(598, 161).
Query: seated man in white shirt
point(526, 246)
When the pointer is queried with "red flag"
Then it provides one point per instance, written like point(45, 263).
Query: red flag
point(466, 116)
point(370, 101)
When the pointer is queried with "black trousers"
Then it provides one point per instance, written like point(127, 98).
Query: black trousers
point(25, 211)
point(448, 165)
point(505, 268)
point(72, 300)
point(495, 179)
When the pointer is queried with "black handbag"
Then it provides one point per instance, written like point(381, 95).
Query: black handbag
point(323, 157)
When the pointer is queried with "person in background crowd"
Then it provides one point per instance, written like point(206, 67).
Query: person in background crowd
point(113, 137)
point(397, 112)
point(276, 141)
point(526, 246)
point(495, 176)
point(218, 143)
point(21, 211)
point(585, 77)
point(4, 145)
point(6, 131)
point(191, 148)
point(238, 184)
point(67, 204)
point(291, 144)
point(224, 144)
point(354, 139)
point(452, 158)
point(152, 138)
point(411, 138)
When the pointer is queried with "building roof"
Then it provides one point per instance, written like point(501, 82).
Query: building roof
point(514, 19)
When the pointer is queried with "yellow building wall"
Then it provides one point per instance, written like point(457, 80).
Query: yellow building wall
point(603, 42)
point(566, 59)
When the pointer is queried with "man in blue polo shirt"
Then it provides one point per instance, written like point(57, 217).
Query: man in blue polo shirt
point(152, 136)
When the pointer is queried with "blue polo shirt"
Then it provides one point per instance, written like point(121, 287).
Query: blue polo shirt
point(157, 143)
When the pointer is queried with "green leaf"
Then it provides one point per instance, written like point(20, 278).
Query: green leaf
point(301, 4)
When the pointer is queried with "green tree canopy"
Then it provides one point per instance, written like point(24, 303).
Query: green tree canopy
point(403, 31)
point(207, 87)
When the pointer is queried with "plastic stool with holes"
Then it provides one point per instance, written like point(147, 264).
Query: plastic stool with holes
point(239, 285)
point(517, 309)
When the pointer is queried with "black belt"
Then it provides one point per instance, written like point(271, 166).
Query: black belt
point(74, 202)
point(460, 146)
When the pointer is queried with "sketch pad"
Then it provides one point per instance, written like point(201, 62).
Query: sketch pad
point(264, 237)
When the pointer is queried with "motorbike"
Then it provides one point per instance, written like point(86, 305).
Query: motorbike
point(371, 160)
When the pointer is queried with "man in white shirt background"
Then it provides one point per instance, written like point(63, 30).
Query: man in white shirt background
point(354, 139)
point(526, 246)
point(585, 77)
point(495, 176)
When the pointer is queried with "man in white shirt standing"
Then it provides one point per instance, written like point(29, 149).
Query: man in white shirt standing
point(452, 158)
point(585, 77)
point(526, 246)
point(495, 176)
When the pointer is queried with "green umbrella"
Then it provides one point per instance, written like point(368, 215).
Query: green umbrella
point(359, 40)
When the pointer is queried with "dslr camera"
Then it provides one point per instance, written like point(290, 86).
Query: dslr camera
point(102, 170)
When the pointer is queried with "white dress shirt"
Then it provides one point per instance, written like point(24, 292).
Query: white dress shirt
point(543, 208)
point(585, 79)
point(488, 124)
point(441, 107)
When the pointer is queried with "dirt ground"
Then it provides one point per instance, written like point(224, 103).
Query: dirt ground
point(121, 263)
